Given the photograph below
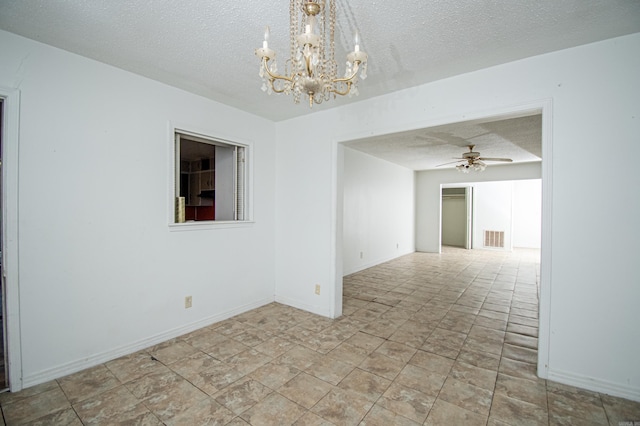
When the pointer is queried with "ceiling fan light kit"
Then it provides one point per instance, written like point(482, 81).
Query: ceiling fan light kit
point(312, 68)
point(472, 161)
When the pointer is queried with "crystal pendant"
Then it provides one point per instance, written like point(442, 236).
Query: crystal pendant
point(264, 86)
point(363, 73)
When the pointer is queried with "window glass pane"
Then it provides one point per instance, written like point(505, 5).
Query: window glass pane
point(210, 179)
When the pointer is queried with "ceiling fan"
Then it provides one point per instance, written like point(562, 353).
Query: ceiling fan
point(473, 161)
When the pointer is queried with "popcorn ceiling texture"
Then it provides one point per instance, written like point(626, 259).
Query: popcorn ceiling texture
point(206, 46)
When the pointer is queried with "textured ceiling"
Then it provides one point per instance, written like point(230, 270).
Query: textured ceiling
point(519, 139)
point(207, 47)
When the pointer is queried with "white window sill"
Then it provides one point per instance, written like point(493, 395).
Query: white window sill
point(209, 224)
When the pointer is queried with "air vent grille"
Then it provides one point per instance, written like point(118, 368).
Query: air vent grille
point(494, 239)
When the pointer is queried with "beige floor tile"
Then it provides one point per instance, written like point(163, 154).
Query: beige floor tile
point(273, 410)
point(422, 380)
point(620, 410)
point(365, 341)
point(467, 396)
point(407, 402)
point(204, 412)
point(24, 410)
point(88, 383)
point(445, 413)
point(312, 419)
point(173, 351)
point(348, 353)
point(432, 362)
point(66, 417)
point(484, 360)
point(274, 346)
point(567, 400)
point(520, 369)
point(380, 416)
point(248, 361)
point(305, 390)
point(134, 366)
point(166, 395)
point(117, 405)
point(382, 365)
point(299, 357)
point(423, 338)
point(366, 384)
point(242, 395)
point(330, 370)
point(480, 377)
point(274, 374)
point(342, 407)
point(513, 411)
point(532, 391)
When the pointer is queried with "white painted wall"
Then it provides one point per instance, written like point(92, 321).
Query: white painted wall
point(527, 213)
point(492, 211)
point(589, 334)
point(100, 273)
point(378, 218)
point(428, 191)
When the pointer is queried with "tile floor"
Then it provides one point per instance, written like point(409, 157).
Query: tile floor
point(425, 339)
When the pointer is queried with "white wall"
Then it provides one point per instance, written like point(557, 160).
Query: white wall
point(428, 215)
point(100, 273)
point(527, 213)
point(492, 211)
point(378, 218)
point(588, 333)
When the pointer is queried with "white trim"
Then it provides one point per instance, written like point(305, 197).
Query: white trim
point(10, 241)
point(294, 303)
point(336, 234)
point(544, 298)
point(96, 359)
point(595, 385)
point(209, 224)
point(210, 135)
point(513, 111)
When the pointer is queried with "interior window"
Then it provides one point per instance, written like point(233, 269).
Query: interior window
point(210, 179)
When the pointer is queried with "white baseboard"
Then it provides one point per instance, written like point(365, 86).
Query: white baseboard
point(100, 358)
point(367, 265)
point(595, 385)
point(305, 307)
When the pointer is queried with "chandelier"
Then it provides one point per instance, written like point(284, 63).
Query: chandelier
point(312, 69)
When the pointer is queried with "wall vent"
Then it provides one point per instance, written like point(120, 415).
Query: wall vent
point(494, 239)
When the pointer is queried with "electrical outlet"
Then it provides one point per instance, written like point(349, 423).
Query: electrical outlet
point(188, 302)
point(317, 288)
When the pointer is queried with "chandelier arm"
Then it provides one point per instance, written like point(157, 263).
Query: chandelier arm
point(348, 79)
point(272, 75)
point(337, 92)
point(273, 87)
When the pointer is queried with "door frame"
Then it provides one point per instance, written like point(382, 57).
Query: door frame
point(10, 249)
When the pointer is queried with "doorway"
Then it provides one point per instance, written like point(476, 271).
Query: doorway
point(457, 217)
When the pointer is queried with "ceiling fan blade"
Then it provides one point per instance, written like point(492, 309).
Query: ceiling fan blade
point(452, 162)
point(509, 160)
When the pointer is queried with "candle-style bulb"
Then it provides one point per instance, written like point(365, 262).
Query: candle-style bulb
point(356, 41)
point(265, 43)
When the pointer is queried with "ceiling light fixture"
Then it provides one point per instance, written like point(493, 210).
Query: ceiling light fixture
point(312, 68)
point(472, 160)
point(476, 166)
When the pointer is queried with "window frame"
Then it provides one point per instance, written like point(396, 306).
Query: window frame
point(173, 171)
